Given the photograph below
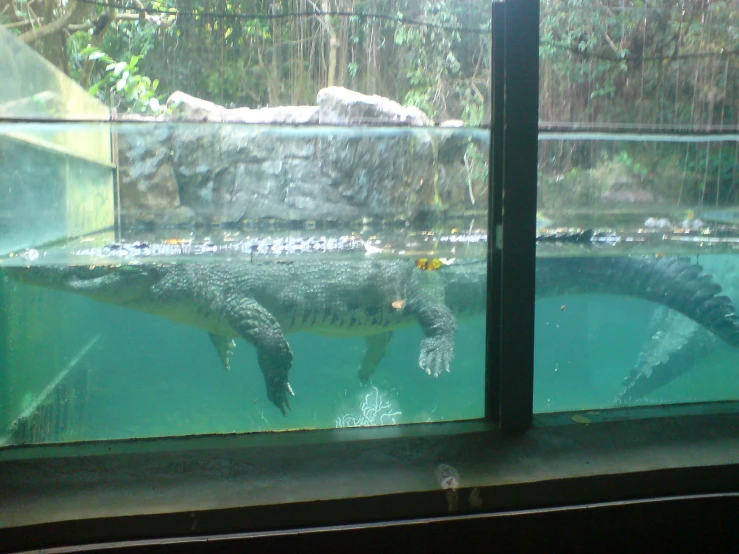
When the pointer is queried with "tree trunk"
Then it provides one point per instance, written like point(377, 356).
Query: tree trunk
point(333, 46)
point(96, 41)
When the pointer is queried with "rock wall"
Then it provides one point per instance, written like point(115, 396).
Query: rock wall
point(351, 157)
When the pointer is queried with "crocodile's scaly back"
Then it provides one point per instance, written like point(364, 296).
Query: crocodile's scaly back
point(338, 298)
point(465, 287)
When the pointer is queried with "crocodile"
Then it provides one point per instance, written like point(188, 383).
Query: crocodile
point(675, 346)
point(370, 297)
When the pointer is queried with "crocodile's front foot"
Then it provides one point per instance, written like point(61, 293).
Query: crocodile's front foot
point(255, 324)
point(437, 354)
point(279, 392)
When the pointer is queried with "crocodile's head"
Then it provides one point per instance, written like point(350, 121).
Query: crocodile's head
point(104, 283)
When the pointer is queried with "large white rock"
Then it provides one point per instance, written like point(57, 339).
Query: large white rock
point(298, 115)
point(336, 106)
point(185, 107)
point(341, 106)
point(190, 108)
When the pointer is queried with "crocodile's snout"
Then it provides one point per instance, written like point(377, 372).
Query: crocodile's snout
point(101, 282)
point(56, 275)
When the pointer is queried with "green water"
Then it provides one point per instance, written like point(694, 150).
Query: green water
point(145, 376)
point(154, 377)
point(129, 374)
point(586, 345)
point(151, 377)
point(584, 353)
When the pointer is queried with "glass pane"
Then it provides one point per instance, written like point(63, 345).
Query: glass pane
point(338, 236)
point(34, 89)
point(637, 264)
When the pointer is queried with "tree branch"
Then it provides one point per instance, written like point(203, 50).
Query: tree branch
point(96, 41)
point(18, 24)
point(157, 20)
point(9, 10)
point(57, 25)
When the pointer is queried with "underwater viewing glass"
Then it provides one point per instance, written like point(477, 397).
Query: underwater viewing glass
point(648, 315)
point(640, 157)
point(210, 270)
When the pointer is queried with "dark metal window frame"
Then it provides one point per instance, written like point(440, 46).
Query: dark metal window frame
point(512, 221)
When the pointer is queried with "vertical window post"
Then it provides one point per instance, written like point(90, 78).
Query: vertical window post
point(515, 235)
point(495, 215)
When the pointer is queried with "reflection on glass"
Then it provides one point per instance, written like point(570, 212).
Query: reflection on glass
point(33, 89)
point(638, 65)
point(641, 308)
point(56, 180)
point(317, 245)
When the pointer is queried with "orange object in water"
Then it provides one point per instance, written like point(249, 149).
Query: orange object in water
point(426, 264)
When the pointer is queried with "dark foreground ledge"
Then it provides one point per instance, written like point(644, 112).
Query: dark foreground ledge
point(201, 486)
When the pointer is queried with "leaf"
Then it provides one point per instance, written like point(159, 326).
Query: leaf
point(119, 67)
point(93, 90)
point(96, 55)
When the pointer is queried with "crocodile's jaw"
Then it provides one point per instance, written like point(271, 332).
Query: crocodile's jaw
point(110, 284)
point(126, 286)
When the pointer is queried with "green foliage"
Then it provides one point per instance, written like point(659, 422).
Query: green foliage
point(632, 62)
point(630, 163)
point(576, 188)
point(124, 83)
point(254, 28)
point(432, 61)
point(602, 62)
point(476, 167)
point(5, 19)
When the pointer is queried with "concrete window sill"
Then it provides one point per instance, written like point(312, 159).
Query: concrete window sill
point(140, 489)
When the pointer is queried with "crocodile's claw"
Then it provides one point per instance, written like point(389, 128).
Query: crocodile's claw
point(364, 378)
point(279, 393)
point(437, 354)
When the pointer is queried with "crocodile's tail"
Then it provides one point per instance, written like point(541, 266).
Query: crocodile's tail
point(675, 346)
point(674, 282)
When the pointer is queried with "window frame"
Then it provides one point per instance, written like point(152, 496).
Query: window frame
point(191, 487)
point(508, 397)
point(512, 216)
